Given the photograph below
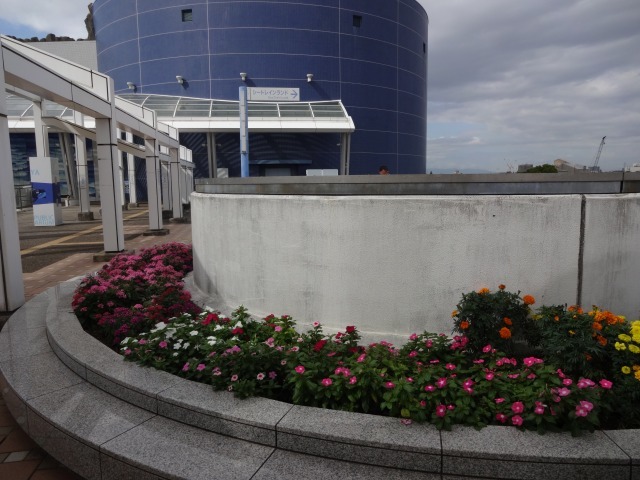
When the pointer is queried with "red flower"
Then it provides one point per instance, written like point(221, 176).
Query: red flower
point(237, 331)
point(351, 329)
point(212, 317)
point(318, 346)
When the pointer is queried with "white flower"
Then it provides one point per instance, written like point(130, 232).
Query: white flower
point(177, 346)
point(159, 326)
point(218, 327)
point(169, 334)
point(238, 324)
point(209, 309)
point(186, 345)
point(176, 354)
point(193, 333)
point(125, 340)
point(210, 342)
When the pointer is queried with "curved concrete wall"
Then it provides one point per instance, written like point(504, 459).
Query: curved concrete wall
point(393, 265)
point(370, 55)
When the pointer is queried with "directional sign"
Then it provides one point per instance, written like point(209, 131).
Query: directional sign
point(273, 94)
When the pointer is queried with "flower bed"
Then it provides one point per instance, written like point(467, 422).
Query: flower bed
point(466, 379)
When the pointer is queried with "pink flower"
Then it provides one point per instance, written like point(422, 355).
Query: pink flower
point(560, 373)
point(272, 375)
point(606, 384)
point(409, 380)
point(486, 348)
point(201, 366)
point(441, 410)
point(430, 388)
point(185, 368)
point(516, 420)
point(413, 337)
point(326, 382)
point(162, 344)
point(127, 352)
point(353, 380)
point(489, 376)
point(499, 400)
point(531, 361)
point(539, 410)
point(278, 328)
point(300, 369)
point(531, 376)
point(413, 353)
point(142, 341)
point(588, 406)
point(501, 417)
point(517, 407)
point(441, 382)
point(389, 385)
point(234, 378)
point(423, 403)
point(478, 361)
point(563, 392)
point(316, 324)
point(428, 343)
point(283, 362)
point(361, 358)
point(406, 421)
point(260, 376)
point(451, 407)
point(567, 381)
point(585, 383)
point(450, 366)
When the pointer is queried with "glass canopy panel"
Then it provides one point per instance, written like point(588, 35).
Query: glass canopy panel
point(224, 109)
point(192, 107)
point(327, 110)
point(295, 110)
point(164, 106)
point(18, 106)
point(263, 109)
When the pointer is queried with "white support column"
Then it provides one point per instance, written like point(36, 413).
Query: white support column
point(131, 167)
point(85, 213)
point(174, 166)
point(110, 181)
point(41, 131)
point(121, 167)
point(153, 185)
point(11, 283)
point(167, 187)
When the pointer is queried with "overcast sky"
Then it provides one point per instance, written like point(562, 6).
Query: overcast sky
point(510, 81)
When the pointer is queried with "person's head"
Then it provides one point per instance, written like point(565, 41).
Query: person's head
point(383, 170)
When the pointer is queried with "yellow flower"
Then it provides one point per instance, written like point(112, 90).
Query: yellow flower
point(454, 313)
point(636, 368)
point(620, 346)
point(626, 370)
point(484, 291)
point(634, 348)
point(624, 338)
point(571, 332)
point(636, 338)
point(637, 375)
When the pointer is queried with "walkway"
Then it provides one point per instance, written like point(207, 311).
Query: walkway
point(49, 257)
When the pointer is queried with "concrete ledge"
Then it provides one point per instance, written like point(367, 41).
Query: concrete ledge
point(105, 418)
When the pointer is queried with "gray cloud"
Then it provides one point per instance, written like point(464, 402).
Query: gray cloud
point(535, 80)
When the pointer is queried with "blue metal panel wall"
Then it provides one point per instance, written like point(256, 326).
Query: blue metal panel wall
point(378, 69)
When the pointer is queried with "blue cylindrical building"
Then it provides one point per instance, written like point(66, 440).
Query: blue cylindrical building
point(370, 54)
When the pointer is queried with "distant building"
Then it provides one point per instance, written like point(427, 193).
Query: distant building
point(633, 168)
point(522, 168)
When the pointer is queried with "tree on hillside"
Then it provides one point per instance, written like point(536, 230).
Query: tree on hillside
point(546, 168)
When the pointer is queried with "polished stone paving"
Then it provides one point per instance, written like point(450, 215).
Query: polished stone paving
point(50, 256)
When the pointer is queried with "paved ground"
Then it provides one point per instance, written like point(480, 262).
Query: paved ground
point(51, 255)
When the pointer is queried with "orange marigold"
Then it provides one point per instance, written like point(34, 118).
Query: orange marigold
point(454, 313)
point(587, 357)
point(601, 340)
point(528, 300)
point(576, 308)
point(507, 321)
point(484, 291)
point(556, 318)
point(501, 286)
point(596, 326)
point(464, 325)
point(505, 333)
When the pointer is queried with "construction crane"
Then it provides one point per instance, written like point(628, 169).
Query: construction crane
point(595, 164)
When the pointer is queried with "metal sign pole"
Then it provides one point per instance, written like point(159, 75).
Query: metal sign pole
point(244, 133)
